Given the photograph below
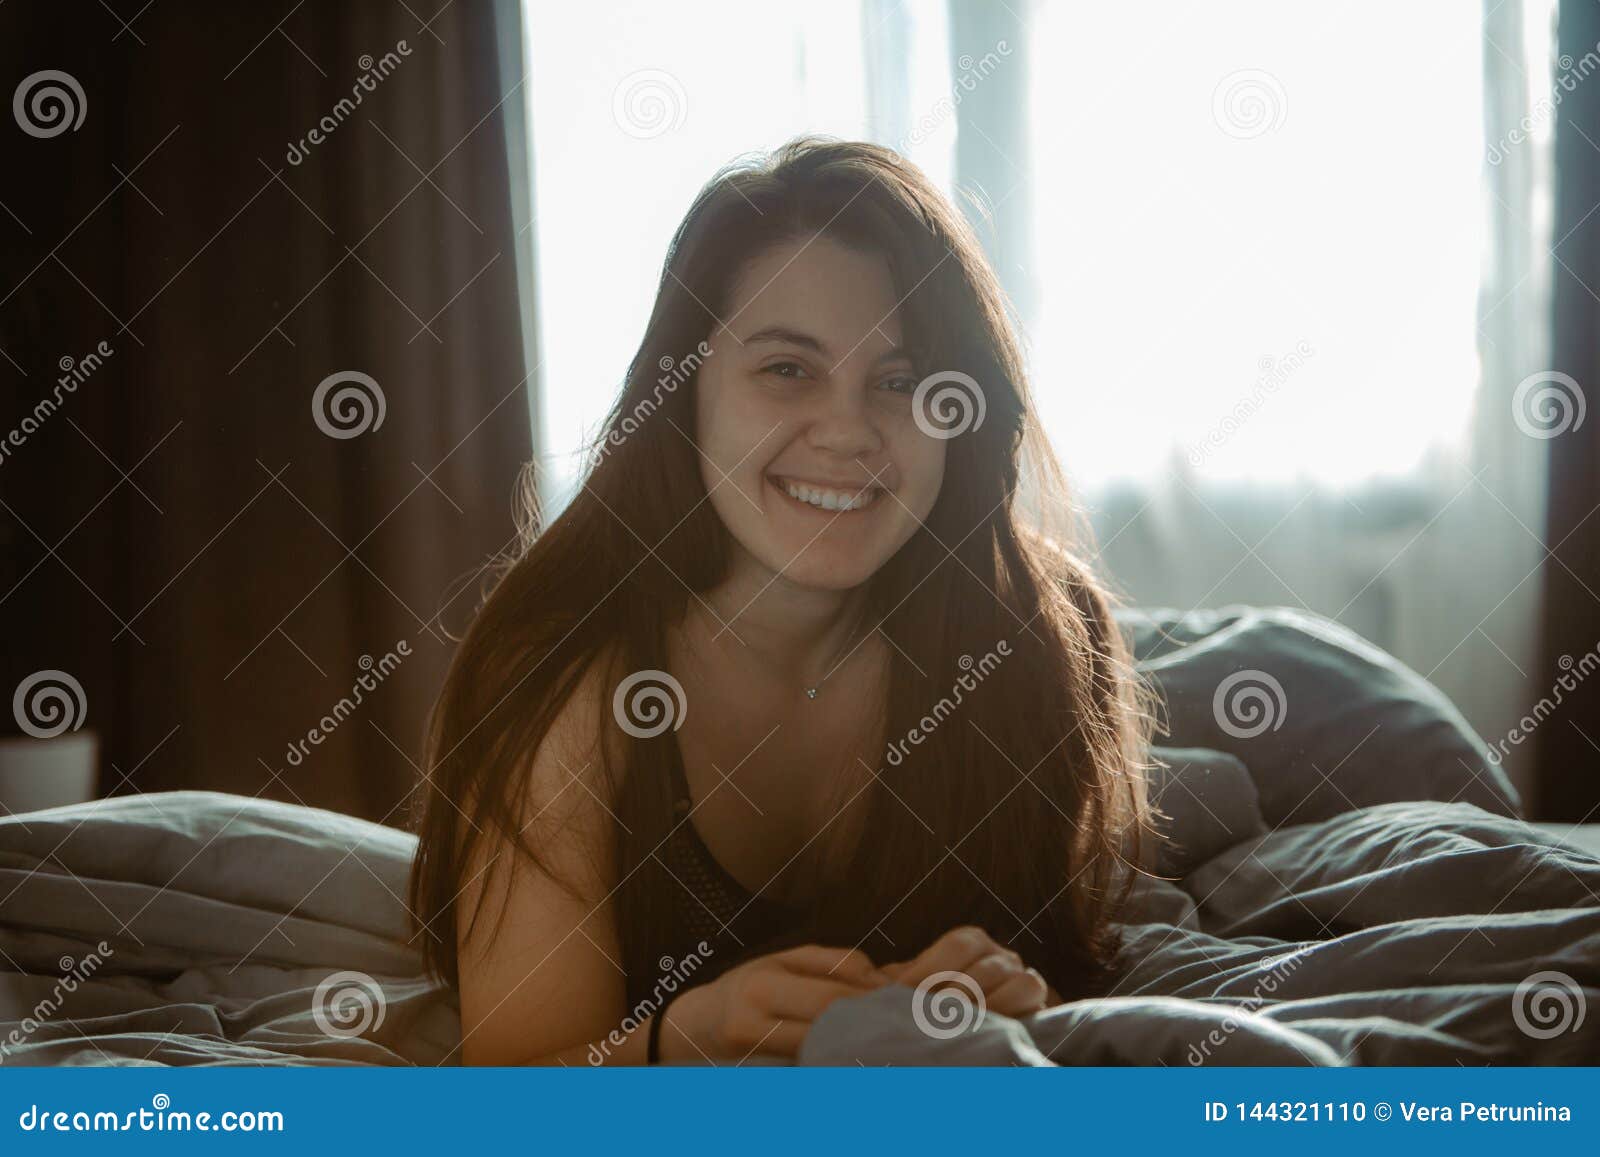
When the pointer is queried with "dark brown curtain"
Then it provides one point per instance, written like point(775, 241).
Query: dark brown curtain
point(180, 532)
point(1569, 741)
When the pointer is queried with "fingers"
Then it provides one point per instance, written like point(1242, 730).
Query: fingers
point(801, 998)
point(1021, 994)
point(844, 964)
point(956, 951)
point(782, 1038)
point(991, 971)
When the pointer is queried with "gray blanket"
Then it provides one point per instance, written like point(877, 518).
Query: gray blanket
point(1347, 884)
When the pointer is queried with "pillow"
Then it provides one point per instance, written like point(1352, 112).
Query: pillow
point(1208, 803)
point(1324, 721)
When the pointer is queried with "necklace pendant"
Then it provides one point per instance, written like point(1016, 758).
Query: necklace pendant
point(811, 692)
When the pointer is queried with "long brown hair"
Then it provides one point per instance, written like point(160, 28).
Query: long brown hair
point(1020, 810)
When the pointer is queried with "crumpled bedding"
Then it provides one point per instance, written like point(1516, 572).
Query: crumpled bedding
point(1347, 883)
point(1394, 935)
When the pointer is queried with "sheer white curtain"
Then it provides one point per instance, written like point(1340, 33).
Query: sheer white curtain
point(1286, 267)
point(1276, 298)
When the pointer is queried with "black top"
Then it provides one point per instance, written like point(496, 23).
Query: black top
point(708, 904)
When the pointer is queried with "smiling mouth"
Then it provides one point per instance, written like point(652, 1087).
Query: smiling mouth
point(829, 499)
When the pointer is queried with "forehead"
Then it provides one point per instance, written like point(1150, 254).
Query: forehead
point(843, 296)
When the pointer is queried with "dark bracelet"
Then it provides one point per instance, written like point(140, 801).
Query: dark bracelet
point(653, 1051)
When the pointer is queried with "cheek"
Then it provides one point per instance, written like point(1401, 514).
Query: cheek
point(921, 460)
point(727, 428)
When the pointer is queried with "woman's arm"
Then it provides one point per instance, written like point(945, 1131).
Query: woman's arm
point(540, 971)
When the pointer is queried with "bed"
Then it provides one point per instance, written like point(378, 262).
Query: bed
point(1348, 882)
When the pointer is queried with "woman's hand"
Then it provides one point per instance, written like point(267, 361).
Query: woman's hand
point(1008, 985)
point(765, 1005)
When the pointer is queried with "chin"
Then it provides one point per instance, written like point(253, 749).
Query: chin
point(816, 570)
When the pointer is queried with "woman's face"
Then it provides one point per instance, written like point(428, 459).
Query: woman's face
point(804, 420)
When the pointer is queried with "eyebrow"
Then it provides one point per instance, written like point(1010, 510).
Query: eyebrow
point(784, 335)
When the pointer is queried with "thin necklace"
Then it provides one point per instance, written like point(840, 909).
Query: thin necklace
point(839, 659)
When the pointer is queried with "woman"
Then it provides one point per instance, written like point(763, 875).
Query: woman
point(788, 704)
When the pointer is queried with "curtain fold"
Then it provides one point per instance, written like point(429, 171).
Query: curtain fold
point(242, 534)
point(1568, 742)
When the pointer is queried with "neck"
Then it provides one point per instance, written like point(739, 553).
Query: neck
point(772, 622)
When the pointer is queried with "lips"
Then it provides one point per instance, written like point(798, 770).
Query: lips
point(830, 498)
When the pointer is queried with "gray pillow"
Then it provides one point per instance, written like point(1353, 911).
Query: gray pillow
point(1324, 721)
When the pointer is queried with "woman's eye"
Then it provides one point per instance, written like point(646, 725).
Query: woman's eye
point(900, 384)
point(785, 370)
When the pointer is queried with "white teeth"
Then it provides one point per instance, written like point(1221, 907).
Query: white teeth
point(833, 500)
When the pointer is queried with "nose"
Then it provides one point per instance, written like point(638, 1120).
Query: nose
point(844, 425)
